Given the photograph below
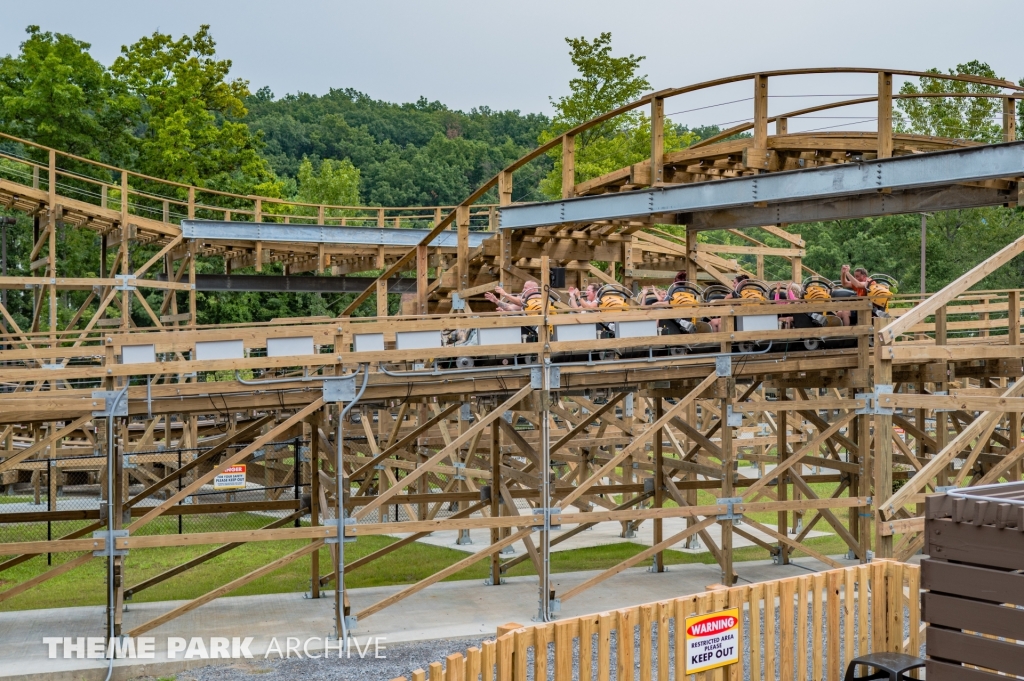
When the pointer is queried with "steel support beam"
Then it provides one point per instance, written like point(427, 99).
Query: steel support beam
point(212, 230)
point(938, 169)
point(867, 205)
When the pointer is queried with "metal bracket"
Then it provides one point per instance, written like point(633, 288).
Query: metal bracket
point(458, 302)
point(733, 419)
point(124, 279)
point(350, 622)
point(129, 461)
point(537, 378)
point(648, 485)
point(53, 367)
point(627, 405)
point(458, 473)
point(108, 549)
point(109, 395)
point(344, 538)
point(546, 513)
point(730, 503)
point(723, 366)
point(942, 489)
point(339, 388)
point(871, 401)
point(465, 413)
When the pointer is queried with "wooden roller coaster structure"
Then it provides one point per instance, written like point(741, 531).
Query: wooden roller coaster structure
point(523, 440)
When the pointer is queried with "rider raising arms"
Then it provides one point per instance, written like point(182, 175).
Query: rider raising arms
point(515, 303)
point(588, 299)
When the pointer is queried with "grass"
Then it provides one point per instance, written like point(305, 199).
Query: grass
point(409, 564)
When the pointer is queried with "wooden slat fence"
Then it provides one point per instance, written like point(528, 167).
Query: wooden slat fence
point(800, 628)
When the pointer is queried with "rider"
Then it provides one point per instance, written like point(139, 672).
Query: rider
point(587, 301)
point(515, 303)
point(860, 282)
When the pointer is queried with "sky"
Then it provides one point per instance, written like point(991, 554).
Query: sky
point(513, 55)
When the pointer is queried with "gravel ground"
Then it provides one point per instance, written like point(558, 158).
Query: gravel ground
point(402, 658)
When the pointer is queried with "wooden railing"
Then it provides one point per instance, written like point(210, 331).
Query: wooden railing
point(110, 188)
point(806, 627)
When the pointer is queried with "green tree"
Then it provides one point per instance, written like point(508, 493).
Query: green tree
point(54, 93)
point(603, 84)
point(191, 127)
point(973, 118)
point(336, 183)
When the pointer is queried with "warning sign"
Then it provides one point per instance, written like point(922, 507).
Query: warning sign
point(233, 477)
point(712, 640)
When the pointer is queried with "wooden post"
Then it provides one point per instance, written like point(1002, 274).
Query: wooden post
point(659, 483)
point(310, 432)
point(568, 166)
point(495, 500)
point(505, 188)
point(757, 155)
point(56, 215)
point(462, 250)
point(1013, 317)
point(884, 114)
point(691, 255)
point(781, 126)
point(192, 321)
point(761, 111)
point(422, 265)
point(382, 285)
point(782, 492)
point(725, 386)
point(258, 212)
point(192, 203)
point(883, 453)
point(380, 217)
point(1009, 120)
point(657, 142)
point(259, 256)
point(126, 300)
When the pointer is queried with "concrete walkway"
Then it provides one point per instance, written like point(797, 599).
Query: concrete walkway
point(445, 610)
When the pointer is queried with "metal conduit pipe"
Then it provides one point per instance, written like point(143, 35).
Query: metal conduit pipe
point(341, 626)
point(111, 409)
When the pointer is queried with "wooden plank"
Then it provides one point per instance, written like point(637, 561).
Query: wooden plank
point(771, 592)
point(647, 618)
point(985, 544)
point(802, 598)
point(627, 620)
point(606, 625)
point(972, 581)
point(787, 590)
point(588, 627)
point(961, 613)
point(956, 646)
point(834, 606)
point(944, 671)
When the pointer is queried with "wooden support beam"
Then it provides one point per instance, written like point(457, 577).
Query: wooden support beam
point(568, 166)
point(884, 114)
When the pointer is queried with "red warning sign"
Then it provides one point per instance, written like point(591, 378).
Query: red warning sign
point(712, 640)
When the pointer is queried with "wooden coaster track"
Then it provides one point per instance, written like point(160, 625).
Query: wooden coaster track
point(638, 428)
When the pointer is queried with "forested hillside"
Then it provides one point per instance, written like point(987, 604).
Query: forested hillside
point(169, 107)
point(421, 153)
